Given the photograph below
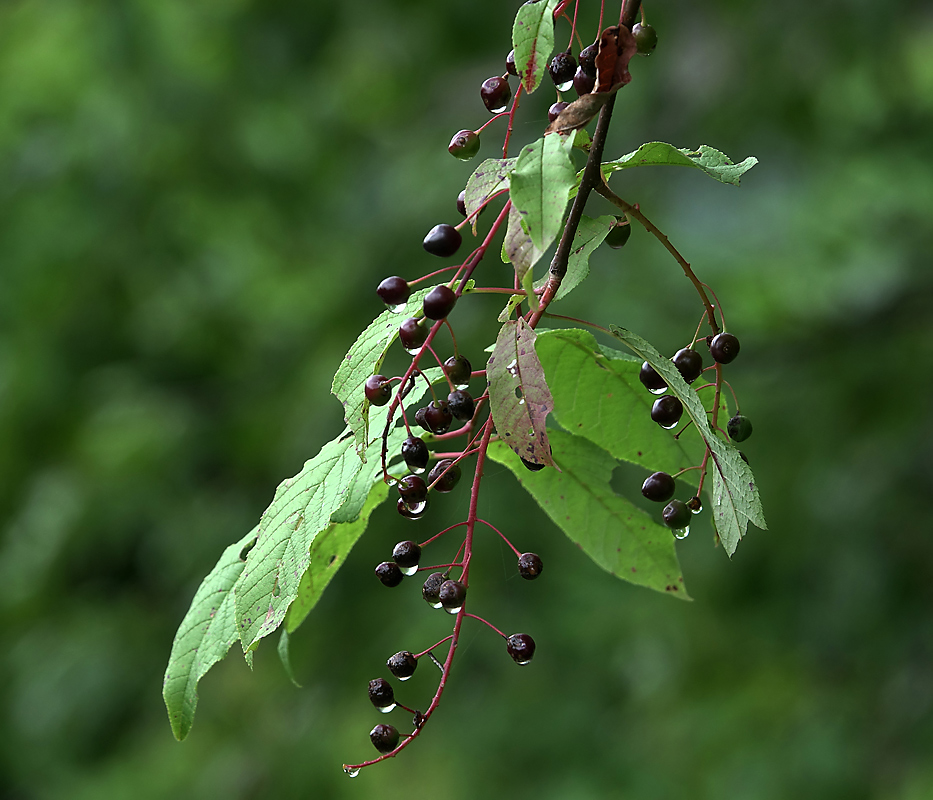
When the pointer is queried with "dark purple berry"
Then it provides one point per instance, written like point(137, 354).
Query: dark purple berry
point(402, 665)
point(531, 465)
point(583, 82)
point(439, 302)
point(646, 38)
point(676, 515)
point(437, 416)
point(510, 63)
point(460, 403)
point(458, 369)
point(432, 586)
point(419, 418)
point(619, 233)
point(724, 348)
point(389, 573)
point(413, 490)
point(452, 595)
point(407, 554)
point(659, 487)
point(447, 475)
point(412, 333)
point(415, 452)
point(695, 504)
point(464, 145)
point(381, 694)
point(413, 512)
point(378, 390)
point(561, 69)
point(496, 94)
point(650, 378)
point(689, 364)
point(666, 411)
point(739, 428)
point(461, 203)
point(443, 240)
point(588, 59)
point(554, 111)
point(384, 738)
point(394, 291)
point(521, 647)
point(529, 566)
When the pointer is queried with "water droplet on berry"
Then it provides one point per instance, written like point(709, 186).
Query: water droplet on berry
point(409, 571)
point(387, 709)
point(563, 87)
point(351, 773)
point(407, 677)
point(417, 509)
point(450, 610)
point(499, 109)
point(696, 508)
point(399, 308)
point(662, 390)
point(413, 351)
point(671, 426)
point(435, 605)
point(681, 533)
point(416, 470)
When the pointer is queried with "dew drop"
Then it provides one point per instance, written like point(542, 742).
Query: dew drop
point(417, 509)
point(392, 482)
point(563, 87)
point(407, 677)
point(462, 385)
point(396, 309)
point(681, 533)
point(416, 470)
point(696, 509)
point(521, 402)
point(409, 570)
point(522, 663)
point(413, 351)
point(351, 772)
point(671, 426)
point(662, 390)
point(453, 610)
point(435, 605)
point(387, 709)
point(501, 108)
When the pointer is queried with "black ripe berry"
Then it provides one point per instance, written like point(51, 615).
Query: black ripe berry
point(460, 403)
point(529, 566)
point(406, 554)
point(458, 369)
point(739, 428)
point(394, 291)
point(461, 203)
point(381, 694)
point(378, 390)
point(413, 512)
point(415, 452)
point(384, 738)
point(531, 465)
point(689, 364)
point(554, 111)
point(496, 94)
point(437, 416)
point(464, 145)
point(619, 233)
point(583, 82)
point(695, 504)
point(646, 38)
point(521, 647)
point(419, 418)
point(676, 515)
point(650, 378)
point(443, 240)
point(452, 595)
point(510, 63)
point(659, 487)
point(439, 302)
point(447, 475)
point(588, 59)
point(413, 490)
point(561, 69)
point(724, 348)
point(412, 334)
point(666, 411)
point(389, 573)
point(402, 665)
point(431, 588)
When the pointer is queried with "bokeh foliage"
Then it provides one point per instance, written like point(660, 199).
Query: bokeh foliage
point(196, 202)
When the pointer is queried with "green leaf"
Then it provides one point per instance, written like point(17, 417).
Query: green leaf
point(329, 550)
point(540, 185)
point(519, 399)
point(517, 247)
point(489, 178)
point(533, 40)
point(601, 399)
point(364, 358)
point(715, 164)
point(618, 536)
point(204, 636)
point(514, 301)
point(589, 236)
point(285, 658)
point(734, 492)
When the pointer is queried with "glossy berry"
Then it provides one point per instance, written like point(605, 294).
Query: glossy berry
point(510, 63)
point(412, 333)
point(464, 145)
point(689, 364)
point(439, 302)
point(619, 233)
point(495, 93)
point(443, 240)
point(460, 403)
point(452, 594)
point(561, 69)
point(384, 738)
point(406, 554)
point(659, 487)
point(554, 111)
point(437, 416)
point(724, 348)
point(583, 82)
point(378, 390)
point(529, 566)
point(419, 418)
point(531, 465)
point(588, 59)
point(413, 490)
point(446, 478)
point(650, 378)
point(521, 647)
point(739, 428)
point(646, 38)
point(458, 369)
point(415, 452)
point(394, 291)
point(666, 411)
point(432, 586)
point(695, 504)
point(676, 515)
point(461, 203)
point(413, 512)
point(402, 665)
point(381, 693)
point(389, 573)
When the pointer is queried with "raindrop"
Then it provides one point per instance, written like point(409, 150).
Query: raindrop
point(521, 402)
point(407, 677)
point(409, 570)
point(452, 610)
point(417, 509)
point(662, 390)
point(416, 470)
point(387, 709)
point(563, 87)
point(435, 605)
point(501, 108)
point(522, 663)
point(413, 351)
point(681, 533)
point(352, 772)
point(696, 508)
point(396, 309)
point(462, 385)
point(671, 426)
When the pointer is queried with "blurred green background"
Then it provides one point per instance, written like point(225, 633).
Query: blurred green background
point(197, 200)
